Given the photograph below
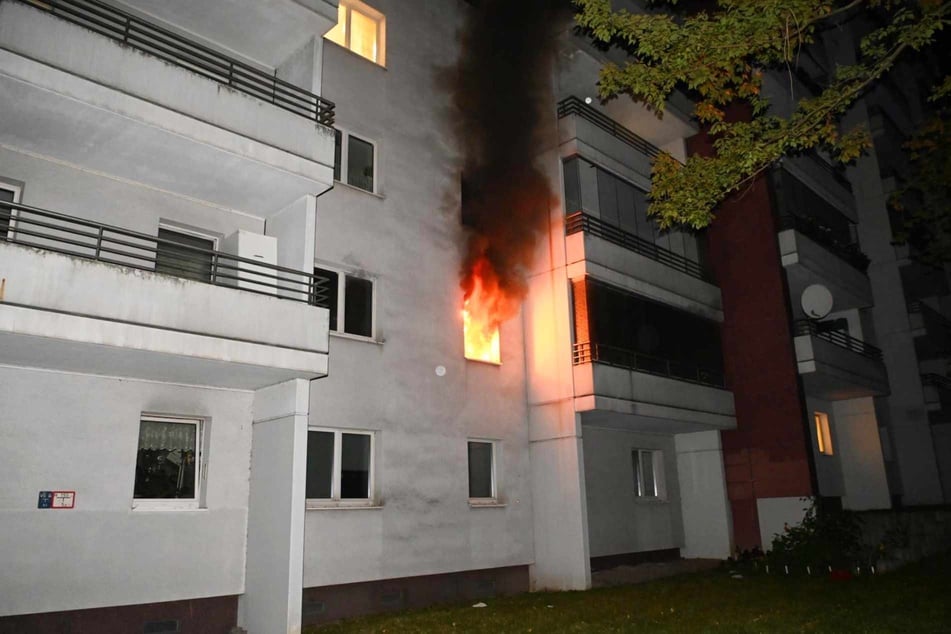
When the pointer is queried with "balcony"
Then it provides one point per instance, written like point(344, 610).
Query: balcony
point(835, 366)
point(931, 329)
point(937, 392)
point(80, 80)
point(636, 391)
point(86, 297)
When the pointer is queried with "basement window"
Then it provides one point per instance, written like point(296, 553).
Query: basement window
point(482, 476)
point(362, 29)
point(168, 463)
point(648, 465)
point(354, 161)
point(339, 466)
point(351, 302)
point(184, 254)
point(823, 433)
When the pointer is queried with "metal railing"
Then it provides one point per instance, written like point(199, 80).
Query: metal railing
point(814, 229)
point(836, 337)
point(589, 352)
point(574, 106)
point(936, 380)
point(60, 233)
point(580, 221)
point(176, 49)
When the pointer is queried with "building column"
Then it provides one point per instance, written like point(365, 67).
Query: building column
point(703, 499)
point(860, 455)
point(274, 575)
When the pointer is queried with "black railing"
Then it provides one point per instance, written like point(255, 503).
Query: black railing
point(173, 48)
point(836, 337)
point(52, 231)
point(574, 106)
point(936, 380)
point(814, 229)
point(639, 362)
point(580, 221)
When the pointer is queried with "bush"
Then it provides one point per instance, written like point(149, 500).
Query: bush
point(825, 537)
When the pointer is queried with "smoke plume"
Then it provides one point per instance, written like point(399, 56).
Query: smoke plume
point(502, 102)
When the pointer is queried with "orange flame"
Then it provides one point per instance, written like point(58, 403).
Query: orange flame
point(486, 305)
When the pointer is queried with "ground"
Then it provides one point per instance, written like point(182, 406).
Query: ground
point(912, 599)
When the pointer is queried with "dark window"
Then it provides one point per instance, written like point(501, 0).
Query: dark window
point(358, 303)
point(184, 255)
point(480, 470)
point(338, 146)
point(167, 461)
point(355, 466)
point(360, 164)
point(320, 460)
point(6, 196)
point(333, 279)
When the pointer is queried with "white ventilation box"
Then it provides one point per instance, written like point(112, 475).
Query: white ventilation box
point(250, 246)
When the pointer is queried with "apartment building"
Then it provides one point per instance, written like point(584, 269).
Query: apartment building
point(231, 339)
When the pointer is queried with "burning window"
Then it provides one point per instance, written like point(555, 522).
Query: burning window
point(485, 306)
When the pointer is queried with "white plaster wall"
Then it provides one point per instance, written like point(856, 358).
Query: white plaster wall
point(78, 432)
point(860, 453)
point(705, 509)
point(618, 521)
point(777, 513)
point(406, 239)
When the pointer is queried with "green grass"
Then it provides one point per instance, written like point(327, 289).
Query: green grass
point(913, 599)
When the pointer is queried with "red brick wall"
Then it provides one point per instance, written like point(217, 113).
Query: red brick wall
point(768, 453)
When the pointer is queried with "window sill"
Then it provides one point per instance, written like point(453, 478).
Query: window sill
point(347, 335)
point(486, 504)
point(161, 506)
point(359, 189)
point(343, 506)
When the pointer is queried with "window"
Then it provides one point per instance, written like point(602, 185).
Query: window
point(184, 254)
point(648, 467)
point(168, 462)
point(361, 29)
point(482, 480)
point(351, 302)
point(339, 465)
point(823, 434)
point(8, 194)
point(358, 157)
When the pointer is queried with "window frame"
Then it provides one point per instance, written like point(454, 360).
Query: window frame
point(174, 504)
point(494, 471)
point(187, 231)
point(17, 192)
point(658, 472)
point(344, 179)
point(342, 274)
point(335, 501)
point(823, 428)
point(378, 17)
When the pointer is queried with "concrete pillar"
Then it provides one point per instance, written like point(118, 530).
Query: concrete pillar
point(703, 498)
point(271, 603)
point(860, 455)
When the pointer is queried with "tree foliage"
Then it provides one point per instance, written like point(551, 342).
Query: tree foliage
point(719, 58)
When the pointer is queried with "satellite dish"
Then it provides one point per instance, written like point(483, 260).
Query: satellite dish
point(816, 301)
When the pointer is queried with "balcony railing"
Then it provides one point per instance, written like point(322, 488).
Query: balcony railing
point(60, 233)
point(814, 229)
point(639, 362)
point(175, 49)
point(580, 221)
point(838, 338)
point(574, 106)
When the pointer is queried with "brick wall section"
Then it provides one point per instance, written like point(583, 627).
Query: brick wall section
point(768, 454)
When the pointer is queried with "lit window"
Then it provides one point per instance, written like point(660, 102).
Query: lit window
point(182, 254)
point(361, 29)
point(8, 194)
point(167, 466)
point(350, 303)
point(482, 480)
point(823, 435)
point(339, 466)
point(354, 162)
point(648, 467)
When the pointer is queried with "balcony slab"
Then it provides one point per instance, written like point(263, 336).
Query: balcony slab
point(808, 262)
point(834, 373)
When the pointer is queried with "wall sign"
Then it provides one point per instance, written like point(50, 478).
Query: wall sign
point(56, 500)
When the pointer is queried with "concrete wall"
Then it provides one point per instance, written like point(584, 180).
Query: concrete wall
point(705, 508)
point(860, 453)
point(103, 553)
point(406, 239)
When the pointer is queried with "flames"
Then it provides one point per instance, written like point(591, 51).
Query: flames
point(486, 304)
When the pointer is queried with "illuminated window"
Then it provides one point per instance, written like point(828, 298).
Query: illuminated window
point(648, 465)
point(361, 29)
point(823, 435)
point(482, 464)
point(339, 466)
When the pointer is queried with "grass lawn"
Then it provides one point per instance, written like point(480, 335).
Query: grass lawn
point(914, 599)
